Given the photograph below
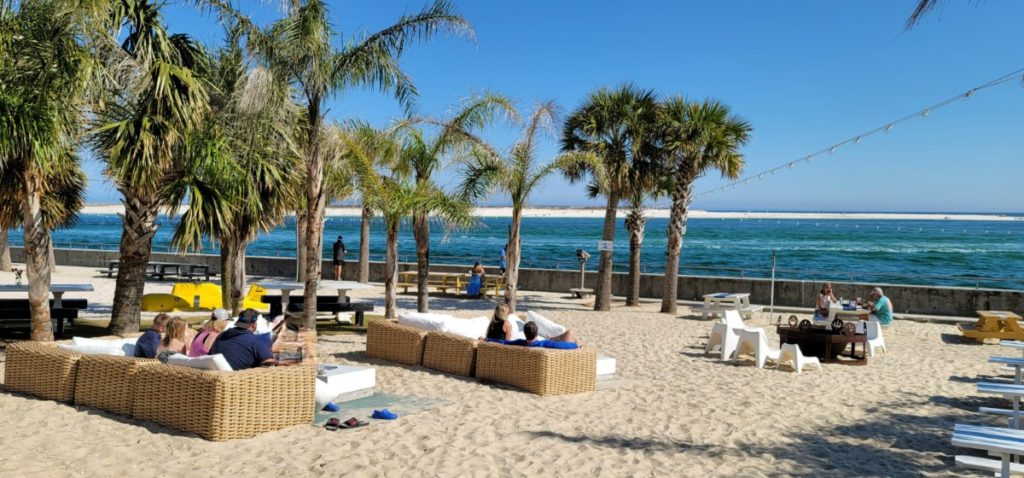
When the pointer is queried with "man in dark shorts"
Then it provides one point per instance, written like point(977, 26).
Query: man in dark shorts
point(339, 258)
point(241, 347)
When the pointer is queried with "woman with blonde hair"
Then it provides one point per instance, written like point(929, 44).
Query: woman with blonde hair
point(175, 340)
point(211, 329)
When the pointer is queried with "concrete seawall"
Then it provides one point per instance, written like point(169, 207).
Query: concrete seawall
point(911, 299)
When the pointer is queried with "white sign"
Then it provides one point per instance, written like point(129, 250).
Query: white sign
point(605, 245)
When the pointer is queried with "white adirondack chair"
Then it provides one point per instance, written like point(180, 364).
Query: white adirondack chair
point(754, 342)
point(791, 353)
point(723, 334)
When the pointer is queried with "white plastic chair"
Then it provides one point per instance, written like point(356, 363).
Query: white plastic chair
point(790, 353)
point(875, 339)
point(723, 334)
point(754, 342)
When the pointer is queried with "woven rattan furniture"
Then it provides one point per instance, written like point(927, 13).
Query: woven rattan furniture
point(538, 370)
point(398, 343)
point(449, 353)
point(225, 405)
point(107, 382)
point(41, 369)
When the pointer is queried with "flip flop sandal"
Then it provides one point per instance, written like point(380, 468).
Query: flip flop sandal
point(384, 414)
point(352, 423)
point(332, 424)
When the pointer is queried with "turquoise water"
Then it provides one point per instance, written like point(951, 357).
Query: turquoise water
point(967, 253)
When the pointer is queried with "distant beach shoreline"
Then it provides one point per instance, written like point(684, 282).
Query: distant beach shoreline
point(584, 212)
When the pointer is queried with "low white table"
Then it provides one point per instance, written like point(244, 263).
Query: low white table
point(57, 290)
point(343, 383)
point(605, 366)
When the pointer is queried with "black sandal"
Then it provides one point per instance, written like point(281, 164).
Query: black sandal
point(333, 424)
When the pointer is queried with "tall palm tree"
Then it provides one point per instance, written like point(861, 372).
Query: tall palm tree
point(5, 252)
point(397, 196)
point(698, 137)
point(365, 219)
point(617, 127)
point(302, 48)
point(425, 156)
point(154, 100)
point(45, 68)
point(241, 167)
point(516, 174)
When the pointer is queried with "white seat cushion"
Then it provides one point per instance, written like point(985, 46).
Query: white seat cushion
point(428, 322)
point(117, 347)
point(470, 328)
point(545, 327)
point(204, 362)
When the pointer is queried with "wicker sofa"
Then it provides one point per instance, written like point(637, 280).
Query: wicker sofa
point(537, 370)
point(214, 405)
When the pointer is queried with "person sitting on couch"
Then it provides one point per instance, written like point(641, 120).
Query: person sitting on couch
point(149, 342)
point(208, 333)
point(500, 328)
point(241, 347)
point(176, 339)
point(530, 329)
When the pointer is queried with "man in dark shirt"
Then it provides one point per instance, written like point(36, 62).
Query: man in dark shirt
point(240, 346)
point(339, 258)
point(146, 345)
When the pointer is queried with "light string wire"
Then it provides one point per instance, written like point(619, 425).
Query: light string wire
point(886, 128)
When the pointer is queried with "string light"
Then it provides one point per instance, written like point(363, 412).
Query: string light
point(882, 129)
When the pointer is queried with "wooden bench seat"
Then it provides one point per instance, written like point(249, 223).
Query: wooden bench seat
point(22, 319)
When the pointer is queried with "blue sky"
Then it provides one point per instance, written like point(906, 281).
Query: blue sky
point(806, 74)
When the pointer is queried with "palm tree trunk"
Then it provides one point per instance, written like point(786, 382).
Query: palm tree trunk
point(682, 194)
point(300, 246)
point(138, 228)
point(50, 258)
point(225, 273)
point(421, 231)
point(364, 244)
point(512, 257)
point(5, 252)
point(391, 269)
point(315, 202)
point(236, 256)
point(37, 265)
point(603, 292)
point(635, 223)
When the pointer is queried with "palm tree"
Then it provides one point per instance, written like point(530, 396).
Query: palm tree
point(698, 137)
point(5, 252)
point(423, 157)
point(516, 174)
point(923, 8)
point(241, 167)
point(45, 68)
point(366, 217)
point(616, 126)
point(155, 99)
point(398, 196)
point(301, 47)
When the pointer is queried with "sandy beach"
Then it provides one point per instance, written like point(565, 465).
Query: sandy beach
point(582, 212)
point(672, 411)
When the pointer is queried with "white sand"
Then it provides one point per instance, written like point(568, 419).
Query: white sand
point(673, 412)
point(567, 212)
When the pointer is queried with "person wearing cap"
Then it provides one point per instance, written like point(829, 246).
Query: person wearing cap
point(240, 346)
point(339, 258)
point(209, 332)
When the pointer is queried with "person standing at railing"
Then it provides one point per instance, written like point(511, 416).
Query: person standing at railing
point(339, 258)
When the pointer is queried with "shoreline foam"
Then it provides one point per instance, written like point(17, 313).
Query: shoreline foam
point(584, 212)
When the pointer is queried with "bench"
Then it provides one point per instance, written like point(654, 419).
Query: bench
point(581, 292)
point(21, 318)
point(197, 270)
point(324, 303)
point(80, 304)
point(405, 286)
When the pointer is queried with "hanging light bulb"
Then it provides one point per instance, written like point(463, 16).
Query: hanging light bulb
point(857, 140)
point(832, 150)
point(790, 165)
point(924, 114)
point(888, 128)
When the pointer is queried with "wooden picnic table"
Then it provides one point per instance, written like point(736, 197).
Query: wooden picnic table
point(994, 324)
point(456, 280)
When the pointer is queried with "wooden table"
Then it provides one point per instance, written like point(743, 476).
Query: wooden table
point(57, 290)
point(456, 280)
point(825, 343)
point(994, 324)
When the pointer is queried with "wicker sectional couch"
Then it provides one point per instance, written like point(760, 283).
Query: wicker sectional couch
point(536, 370)
point(214, 405)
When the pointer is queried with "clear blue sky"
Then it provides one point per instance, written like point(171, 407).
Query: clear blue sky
point(805, 73)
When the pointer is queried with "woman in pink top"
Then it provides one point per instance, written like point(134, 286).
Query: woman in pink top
point(204, 339)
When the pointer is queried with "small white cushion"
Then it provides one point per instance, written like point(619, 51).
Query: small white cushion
point(429, 322)
point(204, 362)
point(470, 328)
point(545, 327)
point(96, 349)
point(517, 327)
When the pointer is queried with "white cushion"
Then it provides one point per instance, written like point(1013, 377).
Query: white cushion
point(545, 327)
point(429, 322)
point(470, 328)
point(517, 327)
point(95, 349)
point(204, 362)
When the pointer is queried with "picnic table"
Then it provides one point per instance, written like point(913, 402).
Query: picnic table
point(286, 288)
point(719, 302)
point(57, 290)
point(161, 270)
point(451, 280)
point(994, 324)
point(17, 315)
point(837, 310)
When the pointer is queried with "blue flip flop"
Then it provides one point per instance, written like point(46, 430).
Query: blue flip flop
point(384, 414)
point(331, 407)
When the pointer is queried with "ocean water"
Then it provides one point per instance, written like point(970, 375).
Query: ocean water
point(963, 253)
